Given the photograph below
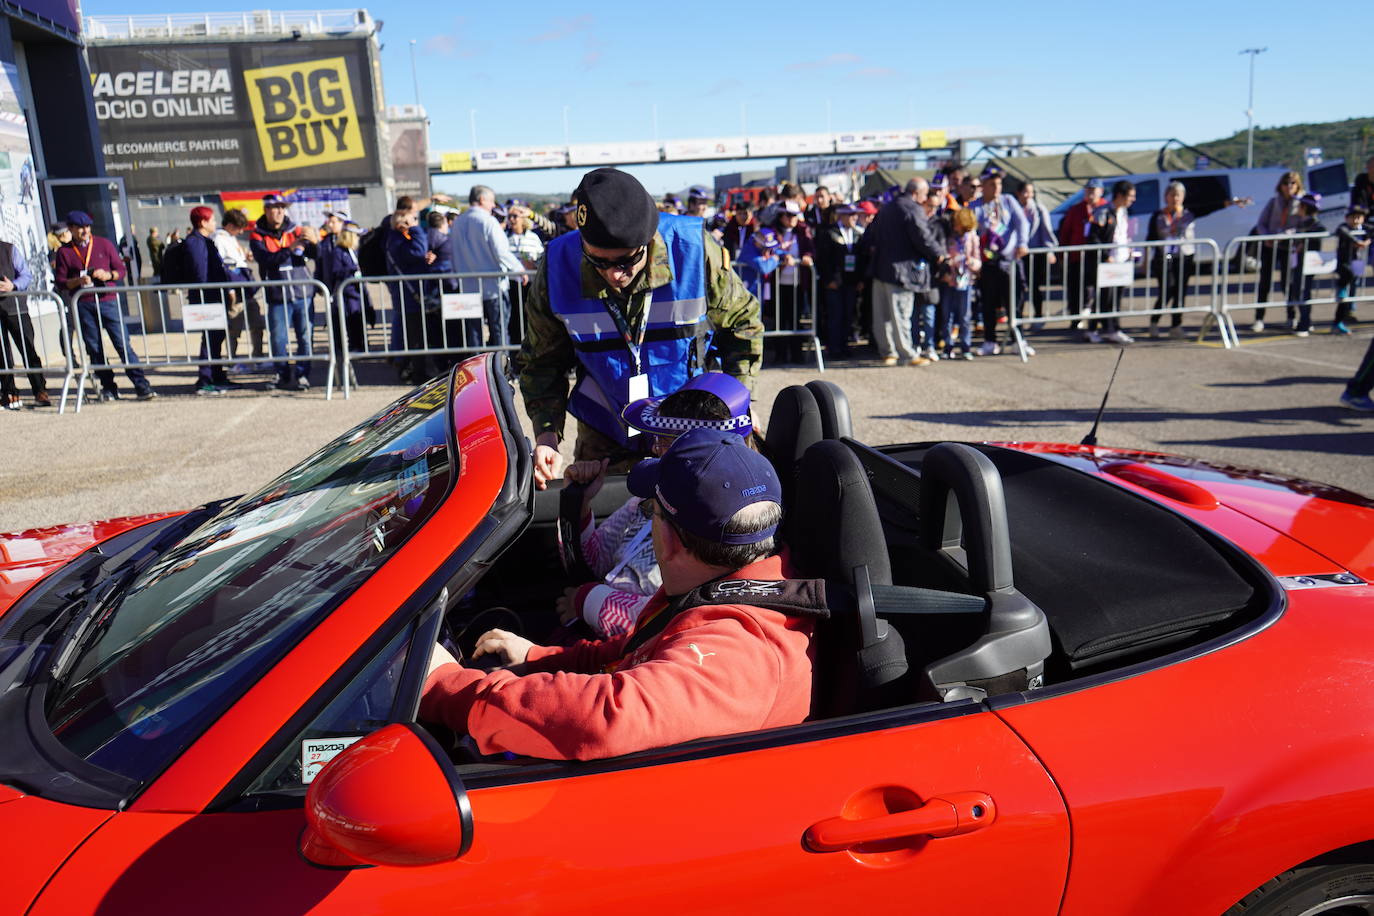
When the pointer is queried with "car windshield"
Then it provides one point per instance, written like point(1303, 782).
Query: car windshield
point(193, 630)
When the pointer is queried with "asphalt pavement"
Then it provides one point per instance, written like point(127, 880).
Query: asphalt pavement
point(1271, 403)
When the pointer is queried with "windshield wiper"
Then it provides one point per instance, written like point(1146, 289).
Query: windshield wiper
point(84, 628)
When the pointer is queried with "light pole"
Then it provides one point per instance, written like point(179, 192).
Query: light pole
point(1250, 109)
point(414, 75)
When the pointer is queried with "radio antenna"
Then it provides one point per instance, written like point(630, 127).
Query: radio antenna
point(1091, 437)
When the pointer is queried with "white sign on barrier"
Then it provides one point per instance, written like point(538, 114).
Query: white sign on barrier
point(458, 306)
point(1313, 263)
point(1111, 274)
point(207, 317)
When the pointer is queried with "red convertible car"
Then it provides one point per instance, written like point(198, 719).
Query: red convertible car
point(1055, 679)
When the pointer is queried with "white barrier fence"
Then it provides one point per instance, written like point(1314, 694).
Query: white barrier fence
point(1306, 276)
point(197, 331)
point(422, 318)
point(1098, 285)
point(35, 342)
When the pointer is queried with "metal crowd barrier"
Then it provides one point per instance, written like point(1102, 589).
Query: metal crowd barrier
point(1252, 262)
point(1187, 283)
point(164, 340)
point(36, 341)
point(424, 316)
point(787, 310)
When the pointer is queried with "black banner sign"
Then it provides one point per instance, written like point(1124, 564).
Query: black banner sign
point(236, 116)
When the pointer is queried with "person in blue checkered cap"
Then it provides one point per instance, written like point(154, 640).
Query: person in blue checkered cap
point(619, 550)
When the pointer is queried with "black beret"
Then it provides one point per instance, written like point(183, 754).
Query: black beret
point(614, 210)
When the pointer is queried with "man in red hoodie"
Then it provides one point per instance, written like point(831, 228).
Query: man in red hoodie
point(724, 647)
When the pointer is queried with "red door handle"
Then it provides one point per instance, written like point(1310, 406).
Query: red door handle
point(948, 815)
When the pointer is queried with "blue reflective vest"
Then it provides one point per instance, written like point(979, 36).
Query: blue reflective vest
point(675, 339)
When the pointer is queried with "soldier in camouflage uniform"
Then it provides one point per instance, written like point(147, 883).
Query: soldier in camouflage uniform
point(625, 266)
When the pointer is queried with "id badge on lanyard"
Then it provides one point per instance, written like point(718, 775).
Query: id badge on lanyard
point(639, 381)
point(849, 265)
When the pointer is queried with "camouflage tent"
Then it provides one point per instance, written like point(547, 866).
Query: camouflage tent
point(1056, 177)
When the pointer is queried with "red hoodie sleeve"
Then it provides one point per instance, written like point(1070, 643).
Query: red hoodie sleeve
point(715, 674)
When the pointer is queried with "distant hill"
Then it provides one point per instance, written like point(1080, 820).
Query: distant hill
point(1351, 140)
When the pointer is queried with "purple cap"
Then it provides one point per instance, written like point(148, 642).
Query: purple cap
point(993, 171)
point(1312, 199)
point(269, 200)
point(847, 209)
point(643, 414)
point(704, 480)
point(1093, 183)
point(789, 206)
point(78, 218)
point(765, 238)
point(698, 192)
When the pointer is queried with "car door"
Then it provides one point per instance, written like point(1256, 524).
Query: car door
point(707, 828)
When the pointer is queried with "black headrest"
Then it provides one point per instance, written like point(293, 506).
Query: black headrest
point(793, 426)
point(835, 522)
point(834, 407)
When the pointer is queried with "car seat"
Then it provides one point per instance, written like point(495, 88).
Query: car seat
point(839, 538)
point(794, 425)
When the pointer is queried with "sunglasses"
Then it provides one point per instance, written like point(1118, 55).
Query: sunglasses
point(627, 263)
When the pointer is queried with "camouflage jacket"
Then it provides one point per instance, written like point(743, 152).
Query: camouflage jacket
point(547, 355)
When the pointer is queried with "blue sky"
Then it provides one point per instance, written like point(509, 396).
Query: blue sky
point(1064, 71)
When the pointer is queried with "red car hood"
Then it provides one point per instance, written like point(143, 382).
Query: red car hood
point(1333, 522)
point(27, 556)
point(50, 832)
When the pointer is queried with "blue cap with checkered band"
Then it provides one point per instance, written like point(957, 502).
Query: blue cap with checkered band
point(644, 414)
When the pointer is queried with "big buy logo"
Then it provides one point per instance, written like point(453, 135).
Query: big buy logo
point(304, 114)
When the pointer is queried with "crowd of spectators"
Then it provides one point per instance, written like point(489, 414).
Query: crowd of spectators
point(925, 272)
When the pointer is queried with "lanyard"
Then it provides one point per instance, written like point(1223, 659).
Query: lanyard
point(90, 246)
point(1170, 222)
point(622, 324)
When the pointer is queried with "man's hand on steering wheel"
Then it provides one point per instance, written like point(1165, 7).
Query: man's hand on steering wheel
point(511, 649)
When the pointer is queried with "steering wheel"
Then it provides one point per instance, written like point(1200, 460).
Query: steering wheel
point(575, 565)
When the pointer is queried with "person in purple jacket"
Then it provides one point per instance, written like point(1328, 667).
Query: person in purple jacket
point(89, 261)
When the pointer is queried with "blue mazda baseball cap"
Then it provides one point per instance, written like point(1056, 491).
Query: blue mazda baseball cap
point(704, 480)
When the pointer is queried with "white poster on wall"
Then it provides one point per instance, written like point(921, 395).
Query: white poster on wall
point(21, 213)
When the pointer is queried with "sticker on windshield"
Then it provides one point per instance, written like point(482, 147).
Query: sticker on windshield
point(413, 479)
point(418, 449)
point(316, 752)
